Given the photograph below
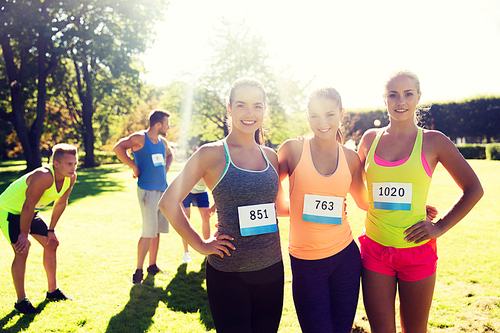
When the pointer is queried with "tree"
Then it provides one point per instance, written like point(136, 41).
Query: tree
point(29, 57)
point(102, 40)
point(238, 53)
point(99, 38)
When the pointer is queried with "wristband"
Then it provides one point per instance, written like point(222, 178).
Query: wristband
point(51, 230)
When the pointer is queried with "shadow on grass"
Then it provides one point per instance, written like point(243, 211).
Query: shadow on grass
point(184, 294)
point(24, 321)
point(137, 315)
point(94, 181)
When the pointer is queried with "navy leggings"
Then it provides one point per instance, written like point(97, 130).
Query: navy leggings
point(246, 302)
point(326, 291)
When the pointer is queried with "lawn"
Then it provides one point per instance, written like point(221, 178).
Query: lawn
point(96, 258)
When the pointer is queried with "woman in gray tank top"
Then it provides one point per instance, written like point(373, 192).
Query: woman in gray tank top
point(244, 274)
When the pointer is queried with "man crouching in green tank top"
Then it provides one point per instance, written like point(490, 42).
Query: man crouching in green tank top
point(19, 205)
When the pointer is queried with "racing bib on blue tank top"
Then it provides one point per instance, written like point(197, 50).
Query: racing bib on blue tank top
point(322, 209)
point(392, 196)
point(257, 219)
point(158, 159)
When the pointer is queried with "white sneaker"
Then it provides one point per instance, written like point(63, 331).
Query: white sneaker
point(186, 257)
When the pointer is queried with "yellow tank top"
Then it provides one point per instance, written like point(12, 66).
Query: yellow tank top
point(318, 221)
point(13, 198)
point(397, 196)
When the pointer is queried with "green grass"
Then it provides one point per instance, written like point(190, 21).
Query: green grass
point(99, 232)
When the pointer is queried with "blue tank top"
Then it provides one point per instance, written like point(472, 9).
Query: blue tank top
point(236, 188)
point(151, 162)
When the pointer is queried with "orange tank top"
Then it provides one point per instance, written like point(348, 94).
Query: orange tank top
point(314, 199)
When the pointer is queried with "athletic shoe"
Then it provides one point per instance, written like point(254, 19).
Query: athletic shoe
point(186, 257)
point(137, 277)
point(25, 306)
point(57, 295)
point(153, 270)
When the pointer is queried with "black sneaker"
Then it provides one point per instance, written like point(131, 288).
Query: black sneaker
point(153, 270)
point(25, 306)
point(57, 295)
point(137, 277)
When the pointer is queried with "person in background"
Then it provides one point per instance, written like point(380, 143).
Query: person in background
point(19, 216)
point(398, 247)
point(152, 157)
point(197, 197)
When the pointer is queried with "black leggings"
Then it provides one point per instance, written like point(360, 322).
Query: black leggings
point(246, 302)
point(326, 291)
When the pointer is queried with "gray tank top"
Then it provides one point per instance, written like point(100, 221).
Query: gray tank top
point(239, 187)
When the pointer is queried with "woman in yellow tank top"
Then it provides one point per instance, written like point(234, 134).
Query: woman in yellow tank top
point(325, 260)
point(398, 250)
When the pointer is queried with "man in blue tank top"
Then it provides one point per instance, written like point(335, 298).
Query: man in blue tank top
point(152, 157)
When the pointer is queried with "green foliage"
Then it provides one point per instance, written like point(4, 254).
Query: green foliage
point(477, 119)
point(84, 55)
point(239, 53)
point(472, 151)
point(356, 123)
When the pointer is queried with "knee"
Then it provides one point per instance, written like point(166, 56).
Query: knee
point(22, 256)
point(51, 246)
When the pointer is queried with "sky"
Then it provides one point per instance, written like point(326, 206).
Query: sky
point(352, 45)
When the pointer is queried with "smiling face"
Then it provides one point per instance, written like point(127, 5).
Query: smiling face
point(246, 108)
point(324, 115)
point(401, 98)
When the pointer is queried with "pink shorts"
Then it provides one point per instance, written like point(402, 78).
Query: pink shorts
point(408, 264)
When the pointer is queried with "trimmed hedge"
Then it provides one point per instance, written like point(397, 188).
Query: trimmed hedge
point(475, 152)
point(493, 151)
point(480, 151)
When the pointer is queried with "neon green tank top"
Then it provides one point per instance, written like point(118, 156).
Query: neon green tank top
point(397, 196)
point(13, 198)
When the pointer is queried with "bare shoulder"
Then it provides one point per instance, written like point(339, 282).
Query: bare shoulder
point(438, 146)
point(350, 154)
point(291, 146)
point(271, 154)
point(141, 135)
point(42, 177)
point(167, 145)
point(207, 162)
point(367, 140)
point(370, 135)
point(209, 152)
point(165, 141)
point(135, 140)
point(436, 140)
point(352, 158)
point(434, 136)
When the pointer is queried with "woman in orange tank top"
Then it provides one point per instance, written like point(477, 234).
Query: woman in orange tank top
point(325, 260)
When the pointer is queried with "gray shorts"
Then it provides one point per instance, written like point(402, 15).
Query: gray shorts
point(153, 221)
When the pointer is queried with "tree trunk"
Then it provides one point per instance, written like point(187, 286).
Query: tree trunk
point(87, 113)
point(30, 145)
